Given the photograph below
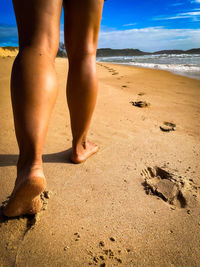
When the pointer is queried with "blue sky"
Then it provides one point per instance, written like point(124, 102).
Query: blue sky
point(148, 25)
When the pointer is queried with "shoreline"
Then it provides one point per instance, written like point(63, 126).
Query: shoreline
point(195, 77)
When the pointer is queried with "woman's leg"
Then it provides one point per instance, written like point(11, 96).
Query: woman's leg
point(81, 29)
point(33, 90)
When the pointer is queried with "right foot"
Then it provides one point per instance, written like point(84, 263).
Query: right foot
point(25, 198)
point(86, 150)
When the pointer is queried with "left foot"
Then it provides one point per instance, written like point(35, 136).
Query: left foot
point(85, 150)
point(25, 198)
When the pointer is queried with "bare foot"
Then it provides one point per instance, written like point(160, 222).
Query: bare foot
point(83, 152)
point(25, 198)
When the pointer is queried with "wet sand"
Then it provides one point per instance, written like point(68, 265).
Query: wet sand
point(134, 203)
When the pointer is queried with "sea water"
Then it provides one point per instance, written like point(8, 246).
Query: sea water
point(182, 64)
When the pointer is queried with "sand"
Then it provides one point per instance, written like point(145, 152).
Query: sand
point(137, 201)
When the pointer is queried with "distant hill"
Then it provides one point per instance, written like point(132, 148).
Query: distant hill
point(168, 52)
point(107, 52)
point(191, 51)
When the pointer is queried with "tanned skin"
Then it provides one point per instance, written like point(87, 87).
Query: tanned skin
point(34, 87)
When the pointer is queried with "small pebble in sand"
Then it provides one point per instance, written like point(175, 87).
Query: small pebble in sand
point(106, 251)
point(95, 259)
point(111, 254)
point(77, 235)
point(47, 194)
point(119, 260)
point(44, 207)
point(112, 239)
point(188, 212)
point(101, 244)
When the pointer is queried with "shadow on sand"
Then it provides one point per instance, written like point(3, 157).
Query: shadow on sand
point(30, 219)
point(61, 157)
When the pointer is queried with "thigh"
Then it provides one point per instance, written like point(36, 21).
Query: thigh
point(81, 25)
point(38, 23)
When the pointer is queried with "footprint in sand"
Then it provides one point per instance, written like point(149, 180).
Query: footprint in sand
point(173, 189)
point(141, 93)
point(140, 104)
point(167, 126)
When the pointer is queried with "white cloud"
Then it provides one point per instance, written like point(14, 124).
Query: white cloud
point(146, 39)
point(194, 15)
point(130, 24)
point(151, 39)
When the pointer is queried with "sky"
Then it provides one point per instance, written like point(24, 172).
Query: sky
point(148, 25)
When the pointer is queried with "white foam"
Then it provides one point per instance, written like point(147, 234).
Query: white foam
point(183, 64)
point(172, 67)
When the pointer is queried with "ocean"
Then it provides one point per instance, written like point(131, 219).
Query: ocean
point(182, 64)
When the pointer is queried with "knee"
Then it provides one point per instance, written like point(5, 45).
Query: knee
point(40, 48)
point(81, 53)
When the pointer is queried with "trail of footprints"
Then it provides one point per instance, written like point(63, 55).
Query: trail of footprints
point(113, 71)
point(165, 126)
point(175, 190)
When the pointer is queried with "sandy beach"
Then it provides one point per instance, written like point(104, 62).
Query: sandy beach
point(134, 203)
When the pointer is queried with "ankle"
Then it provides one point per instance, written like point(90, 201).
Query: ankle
point(79, 145)
point(28, 164)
